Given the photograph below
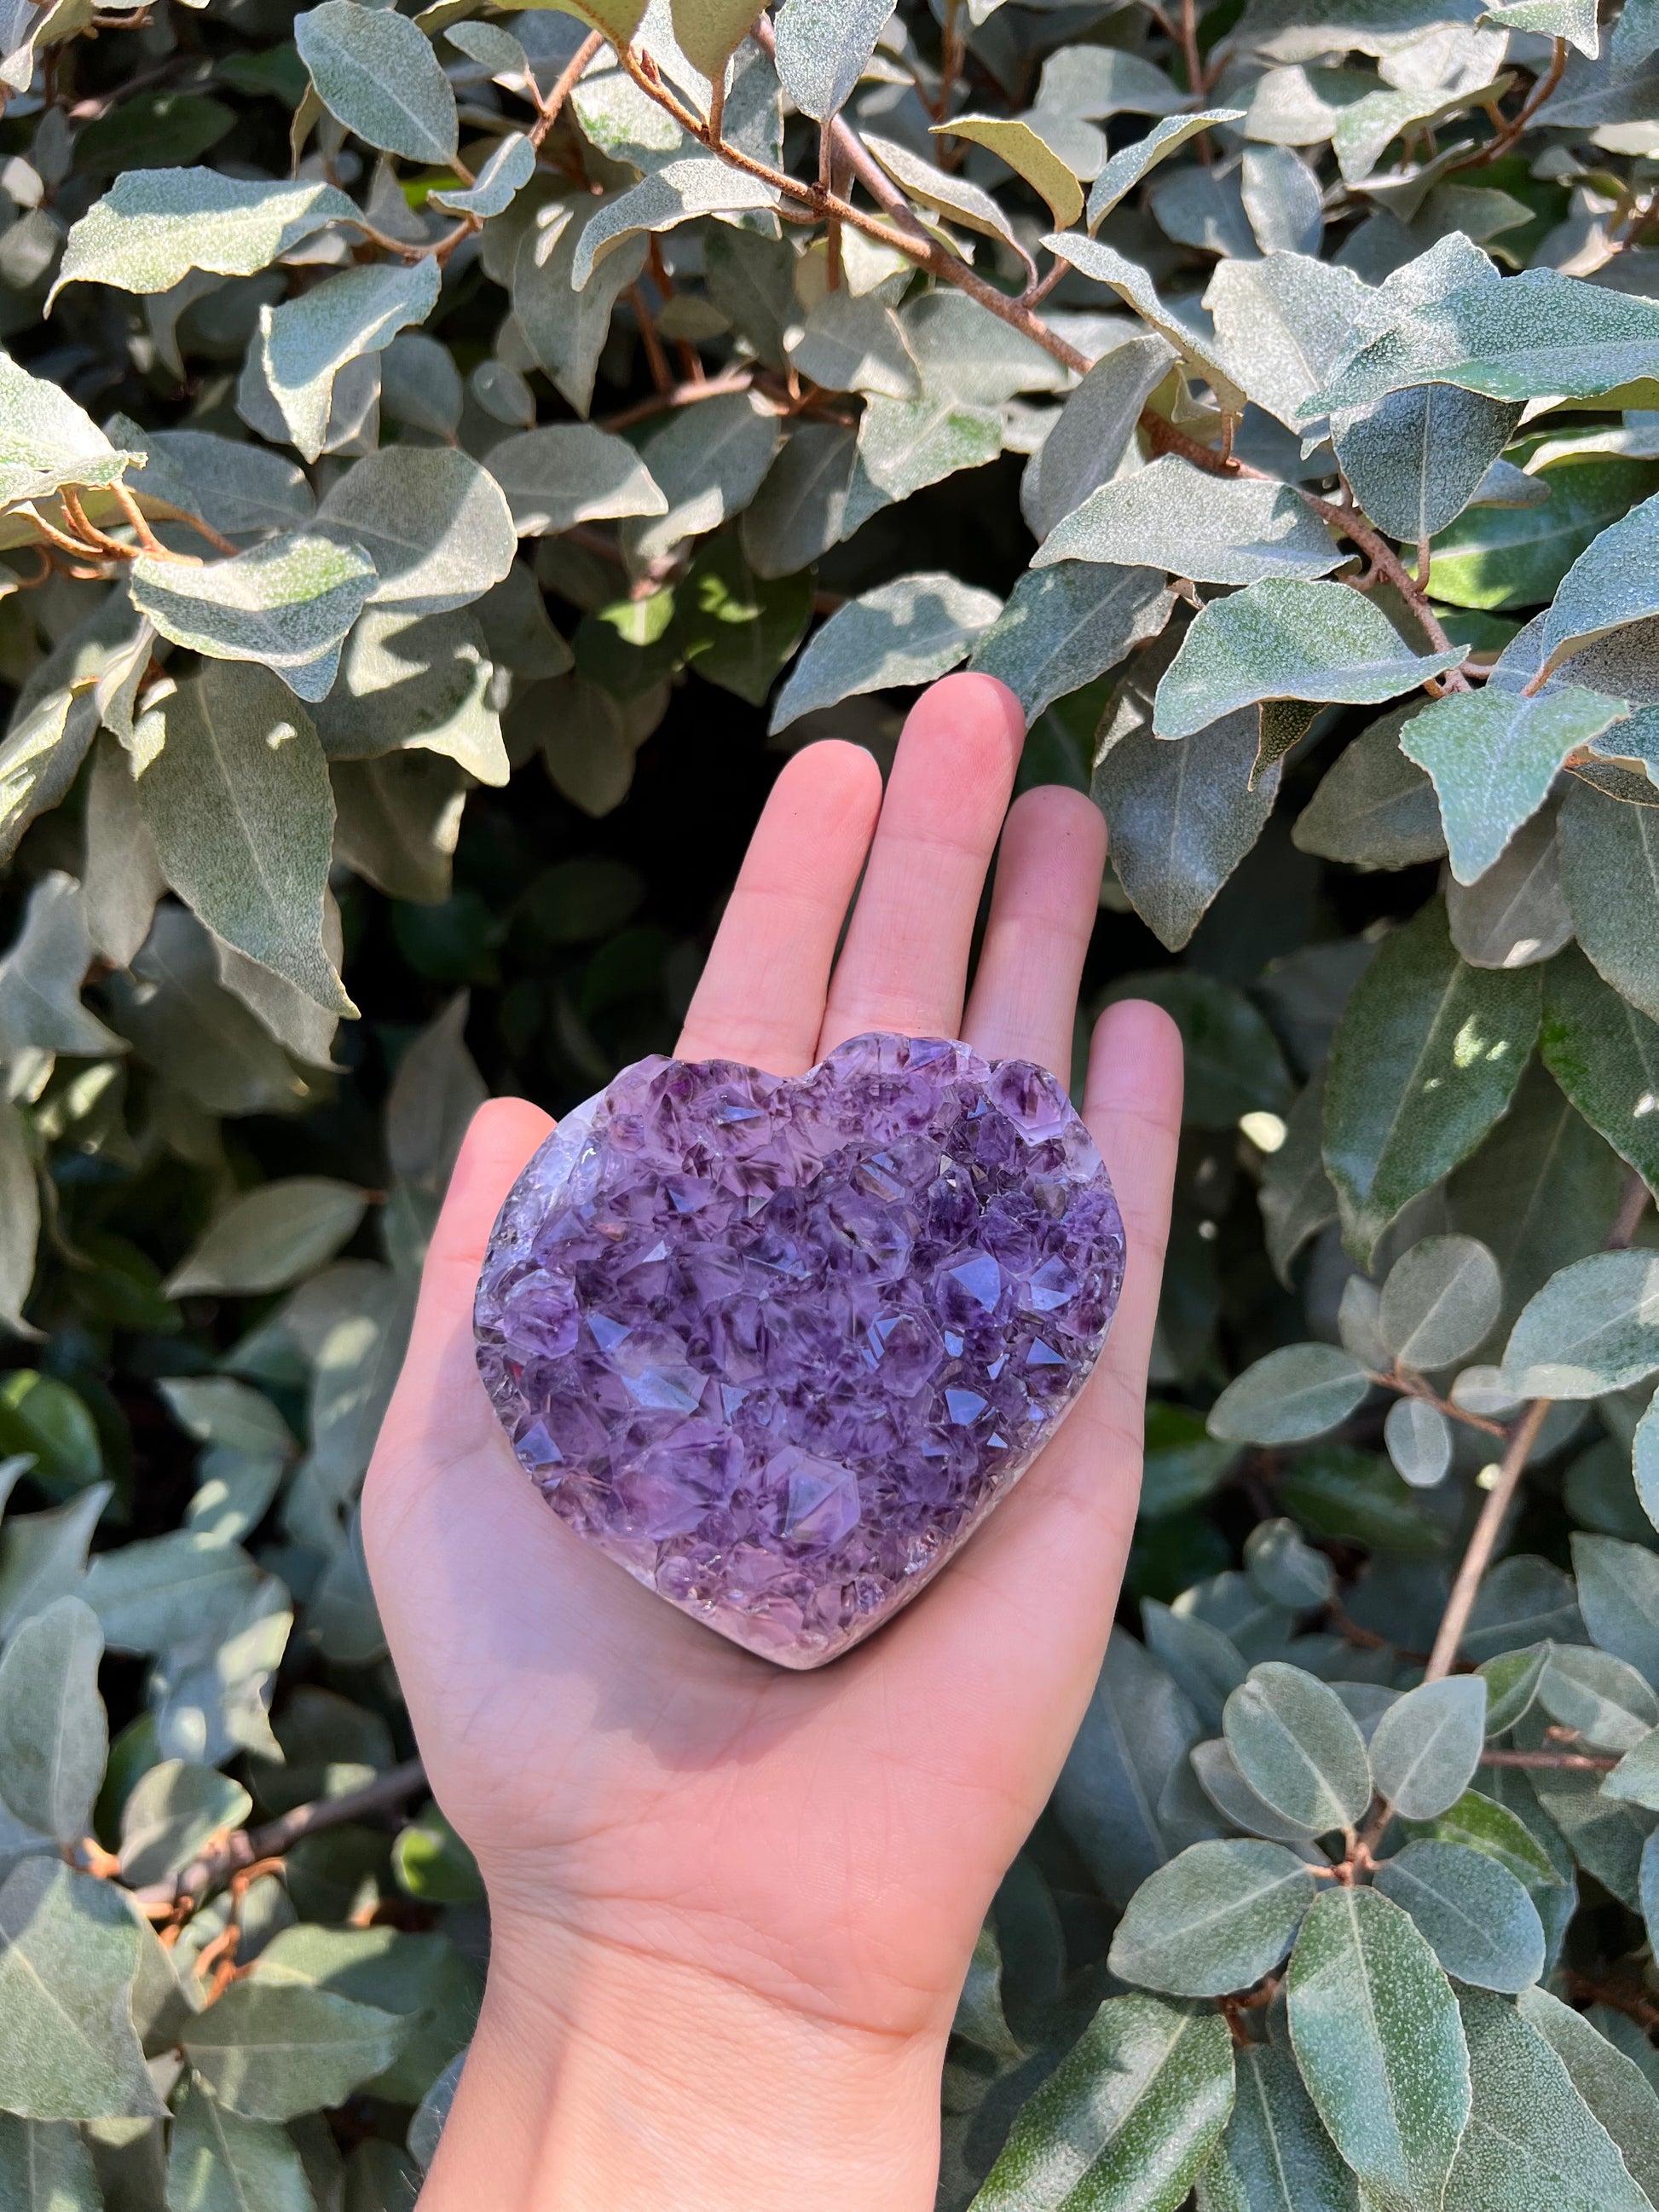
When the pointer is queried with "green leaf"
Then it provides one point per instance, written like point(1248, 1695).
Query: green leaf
point(1605, 1055)
point(1645, 1464)
point(1138, 1725)
point(1222, 1781)
point(1128, 2119)
point(1171, 515)
point(801, 507)
point(236, 796)
point(1298, 1747)
point(435, 523)
point(1058, 633)
point(53, 1734)
point(43, 1417)
point(1093, 432)
point(240, 489)
point(173, 1811)
point(505, 175)
point(1533, 2144)
point(1217, 1917)
point(154, 225)
point(1103, 264)
point(1593, 1328)
point(1634, 1780)
point(566, 329)
point(701, 184)
point(1516, 914)
point(1299, 1390)
point(853, 343)
point(1535, 335)
point(568, 473)
point(1285, 323)
point(709, 461)
point(179, 1018)
point(1600, 1697)
point(904, 444)
point(1028, 154)
point(287, 603)
point(1439, 1300)
point(162, 1589)
point(1205, 1663)
point(1275, 2155)
point(1608, 586)
point(1285, 1568)
point(822, 50)
point(1511, 556)
point(272, 1236)
point(1612, 2085)
point(1234, 1065)
point(737, 630)
point(415, 680)
point(48, 442)
point(1379, 2039)
point(217, 2162)
point(41, 979)
point(1374, 808)
point(69, 1950)
point(429, 1861)
point(1427, 1056)
point(1480, 1824)
point(1125, 169)
point(937, 189)
point(1480, 1922)
point(45, 2167)
point(1619, 1593)
point(421, 1979)
point(1425, 1748)
point(1295, 1193)
point(1287, 639)
point(905, 632)
point(307, 341)
point(1610, 869)
point(43, 1555)
point(20, 1218)
point(377, 73)
point(1418, 457)
point(271, 2049)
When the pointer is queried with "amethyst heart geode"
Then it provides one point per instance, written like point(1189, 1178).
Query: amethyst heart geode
point(776, 1346)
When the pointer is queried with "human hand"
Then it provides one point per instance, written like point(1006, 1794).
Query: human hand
point(732, 1906)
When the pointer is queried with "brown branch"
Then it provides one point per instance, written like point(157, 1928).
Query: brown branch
point(568, 77)
point(1512, 131)
point(1573, 1762)
point(680, 395)
point(656, 360)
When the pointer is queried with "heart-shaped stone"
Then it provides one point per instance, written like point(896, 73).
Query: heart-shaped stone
point(777, 1346)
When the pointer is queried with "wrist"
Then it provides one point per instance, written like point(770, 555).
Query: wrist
point(603, 2079)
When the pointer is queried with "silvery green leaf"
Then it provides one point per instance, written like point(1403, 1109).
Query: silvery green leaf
point(43, 1556)
point(153, 1592)
point(1405, 1099)
point(800, 509)
point(40, 977)
point(234, 1492)
point(307, 341)
point(1130, 2116)
point(216, 1409)
point(568, 473)
point(1297, 106)
point(565, 328)
point(1523, 1602)
point(239, 489)
point(517, 631)
point(1420, 1443)
point(1531, 2144)
point(217, 2161)
point(1217, 1917)
point(1593, 1328)
point(1537, 334)
point(286, 603)
point(1101, 262)
point(1283, 1566)
point(270, 1236)
point(1171, 515)
point(680, 191)
point(1438, 1301)
point(180, 1019)
point(69, 1950)
point(1377, 2034)
point(1619, 1595)
point(435, 523)
point(435, 1093)
point(433, 2111)
point(905, 444)
point(1480, 1922)
point(235, 792)
point(1416, 458)
point(1480, 1824)
point(493, 49)
point(1610, 870)
point(709, 461)
point(1608, 586)
point(1222, 1780)
point(970, 353)
point(1234, 1065)
point(377, 73)
point(1359, 1318)
point(20, 1218)
point(155, 226)
point(211, 1695)
point(1612, 2085)
point(396, 819)
point(170, 1812)
point(1634, 1780)
point(1024, 151)
point(1494, 756)
point(1138, 1725)
point(624, 122)
point(1198, 207)
point(905, 632)
point(420, 384)
point(1284, 324)
point(269, 2049)
point(1299, 1390)
point(1295, 1194)
point(1058, 632)
point(1298, 1747)
point(1282, 200)
point(1646, 1455)
point(508, 169)
point(1201, 1659)
point(1125, 169)
point(1097, 82)
point(1572, 20)
point(353, 410)
point(1515, 914)
point(53, 1734)
point(1088, 441)
point(45, 2167)
point(823, 48)
point(48, 440)
point(1275, 2155)
point(752, 281)
point(415, 680)
point(1425, 1749)
point(503, 394)
point(849, 343)
point(1374, 808)
point(1601, 1698)
point(1285, 639)
point(935, 188)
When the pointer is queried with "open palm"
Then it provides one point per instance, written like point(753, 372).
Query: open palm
point(830, 1840)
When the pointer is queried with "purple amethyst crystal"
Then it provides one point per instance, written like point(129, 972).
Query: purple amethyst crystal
point(777, 1347)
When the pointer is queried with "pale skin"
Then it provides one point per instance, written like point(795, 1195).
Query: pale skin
point(732, 1906)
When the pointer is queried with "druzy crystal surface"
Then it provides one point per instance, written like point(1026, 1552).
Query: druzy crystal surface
point(776, 1346)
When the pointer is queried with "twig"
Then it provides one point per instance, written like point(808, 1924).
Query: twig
point(680, 395)
point(1512, 131)
point(1574, 1762)
point(952, 50)
point(661, 374)
point(568, 77)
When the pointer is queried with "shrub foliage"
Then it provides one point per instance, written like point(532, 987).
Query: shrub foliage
point(431, 445)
